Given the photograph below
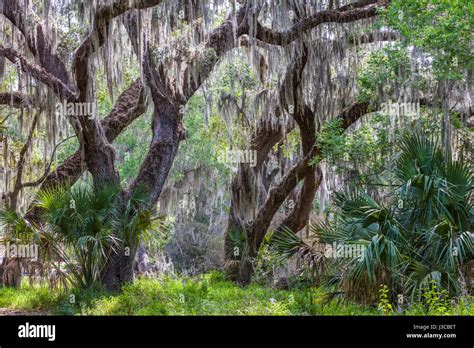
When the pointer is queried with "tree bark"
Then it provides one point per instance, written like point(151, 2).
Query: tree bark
point(244, 188)
point(167, 129)
point(128, 107)
point(167, 126)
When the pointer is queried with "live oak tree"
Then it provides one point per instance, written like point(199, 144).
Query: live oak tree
point(176, 46)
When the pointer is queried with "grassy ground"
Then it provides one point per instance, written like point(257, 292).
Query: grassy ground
point(209, 294)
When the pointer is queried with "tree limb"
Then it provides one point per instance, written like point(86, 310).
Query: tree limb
point(277, 194)
point(97, 36)
point(48, 166)
point(40, 46)
point(344, 14)
point(39, 73)
point(21, 163)
point(129, 105)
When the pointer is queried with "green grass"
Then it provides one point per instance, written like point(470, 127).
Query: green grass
point(39, 298)
point(209, 294)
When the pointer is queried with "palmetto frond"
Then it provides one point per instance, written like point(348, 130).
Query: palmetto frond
point(13, 223)
point(422, 236)
point(419, 156)
point(288, 243)
point(80, 225)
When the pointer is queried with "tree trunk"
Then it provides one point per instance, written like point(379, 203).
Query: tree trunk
point(245, 198)
point(256, 229)
point(242, 210)
point(11, 272)
point(119, 270)
point(167, 133)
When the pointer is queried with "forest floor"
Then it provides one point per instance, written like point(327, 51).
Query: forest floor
point(208, 294)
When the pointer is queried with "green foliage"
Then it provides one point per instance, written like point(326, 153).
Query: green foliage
point(365, 143)
point(443, 28)
point(267, 261)
point(69, 36)
point(208, 294)
point(367, 152)
point(331, 140)
point(418, 235)
point(39, 298)
point(237, 238)
point(238, 77)
point(362, 151)
point(208, 133)
point(205, 140)
point(131, 146)
point(436, 301)
point(287, 242)
point(291, 144)
point(81, 226)
point(384, 303)
point(383, 73)
point(77, 229)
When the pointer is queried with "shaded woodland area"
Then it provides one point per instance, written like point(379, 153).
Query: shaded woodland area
point(293, 147)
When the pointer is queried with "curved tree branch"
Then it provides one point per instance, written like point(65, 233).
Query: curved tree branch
point(129, 105)
point(13, 196)
point(98, 34)
point(39, 73)
point(48, 166)
point(39, 45)
point(345, 14)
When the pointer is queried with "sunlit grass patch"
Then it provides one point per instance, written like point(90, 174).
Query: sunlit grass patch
point(207, 294)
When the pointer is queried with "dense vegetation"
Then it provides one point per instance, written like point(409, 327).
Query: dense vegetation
point(213, 157)
point(208, 294)
point(416, 241)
